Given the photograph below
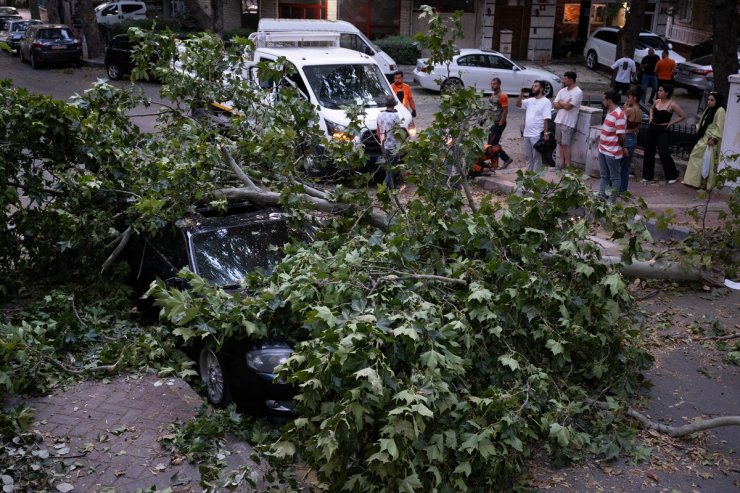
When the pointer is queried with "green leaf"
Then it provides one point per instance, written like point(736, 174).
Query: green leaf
point(508, 360)
point(554, 346)
point(584, 269)
point(389, 445)
point(463, 468)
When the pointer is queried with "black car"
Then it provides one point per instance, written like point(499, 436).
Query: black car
point(223, 248)
point(42, 43)
point(119, 58)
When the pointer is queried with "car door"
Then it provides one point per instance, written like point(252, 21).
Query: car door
point(132, 11)
point(607, 47)
point(474, 71)
point(511, 79)
point(110, 14)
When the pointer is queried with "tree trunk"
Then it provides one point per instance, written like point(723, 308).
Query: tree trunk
point(628, 35)
point(724, 61)
point(201, 17)
point(53, 11)
point(85, 9)
point(33, 6)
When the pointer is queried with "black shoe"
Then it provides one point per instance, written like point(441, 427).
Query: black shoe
point(506, 164)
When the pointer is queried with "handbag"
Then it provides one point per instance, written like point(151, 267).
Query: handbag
point(706, 162)
point(544, 146)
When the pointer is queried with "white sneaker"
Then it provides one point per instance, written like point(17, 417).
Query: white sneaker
point(671, 182)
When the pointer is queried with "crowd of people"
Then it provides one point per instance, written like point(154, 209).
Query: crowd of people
point(618, 137)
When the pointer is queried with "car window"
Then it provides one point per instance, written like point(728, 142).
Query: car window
point(355, 43)
point(54, 34)
point(110, 10)
point(499, 62)
point(473, 61)
point(608, 36)
point(703, 60)
point(647, 41)
point(129, 8)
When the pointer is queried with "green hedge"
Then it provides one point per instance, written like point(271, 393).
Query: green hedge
point(179, 26)
point(403, 49)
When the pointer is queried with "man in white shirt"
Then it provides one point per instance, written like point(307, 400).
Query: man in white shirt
point(625, 68)
point(568, 104)
point(536, 121)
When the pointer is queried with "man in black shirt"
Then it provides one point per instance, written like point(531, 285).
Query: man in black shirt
point(648, 75)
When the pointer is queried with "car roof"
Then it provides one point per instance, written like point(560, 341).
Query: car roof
point(49, 26)
point(314, 55)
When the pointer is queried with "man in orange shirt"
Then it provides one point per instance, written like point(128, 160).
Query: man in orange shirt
point(399, 86)
point(665, 68)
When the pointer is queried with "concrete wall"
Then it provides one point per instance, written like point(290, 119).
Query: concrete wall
point(541, 31)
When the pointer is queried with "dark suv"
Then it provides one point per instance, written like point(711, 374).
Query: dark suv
point(223, 248)
point(118, 57)
point(44, 43)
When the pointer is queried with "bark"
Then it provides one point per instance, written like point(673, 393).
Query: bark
point(201, 17)
point(628, 35)
point(53, 9)
point(33, 6)
point(664, 270)
point(724, 61)
point(122, 241)
point(93, 39)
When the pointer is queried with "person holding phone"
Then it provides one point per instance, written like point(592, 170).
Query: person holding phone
point(536, 122)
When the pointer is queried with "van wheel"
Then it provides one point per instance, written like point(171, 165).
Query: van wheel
point(592, 60)
point(453, 84)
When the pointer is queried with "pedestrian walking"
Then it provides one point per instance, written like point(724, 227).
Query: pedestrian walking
point(633, 115)
point(665, 68)
point(702, 169)
point(568, 104)
point(536, 122)
point(400, 86)
point(499, 102)
point(611, 145)
point(625, 67)
point(649, 79)
point(388, 121)
point(659, 134)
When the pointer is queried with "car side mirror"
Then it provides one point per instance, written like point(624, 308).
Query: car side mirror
point(670, 46)
point(176, 282)
point(515, 68)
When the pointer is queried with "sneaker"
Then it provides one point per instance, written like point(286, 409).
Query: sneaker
point(644, 181)
point(671, 182)
point(506, 164)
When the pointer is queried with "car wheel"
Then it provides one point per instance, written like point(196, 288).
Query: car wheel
point(547, 88)
point(592, 60)
point(114, 71)
point(214, 376)
point(35, 64)
point(452, 84)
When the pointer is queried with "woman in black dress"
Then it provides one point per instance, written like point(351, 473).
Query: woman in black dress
point(659, 135)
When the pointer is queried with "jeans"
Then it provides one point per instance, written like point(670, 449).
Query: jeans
point(494, 136)
point(630, 142)
point(652, 81)
point(609, 168)
point(531, 156)
point(658, 138)
point(391, 159)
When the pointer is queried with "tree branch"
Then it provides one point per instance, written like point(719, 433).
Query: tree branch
point(123, 241)
point(675, 431)
point(238, 169)
point(721, 338)
point(423, 277)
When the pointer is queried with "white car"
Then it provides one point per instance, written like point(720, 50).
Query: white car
point(475, 68)
point(601, 47)
point(118, 11)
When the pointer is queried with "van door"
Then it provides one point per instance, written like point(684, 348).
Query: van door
point(356, 43)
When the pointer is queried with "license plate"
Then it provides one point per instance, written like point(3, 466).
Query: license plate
point(58, 47)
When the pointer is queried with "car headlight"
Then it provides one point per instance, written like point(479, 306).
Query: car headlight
point(337, 131)
point(266, 360)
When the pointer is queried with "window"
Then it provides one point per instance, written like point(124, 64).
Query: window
point(683, 10)
point(608, 36)
point(110, 10)
point(446, 5)
point(472, 61)
point(499, 62)
point(129, 8)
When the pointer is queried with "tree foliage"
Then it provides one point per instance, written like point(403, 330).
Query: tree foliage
point(434, 353)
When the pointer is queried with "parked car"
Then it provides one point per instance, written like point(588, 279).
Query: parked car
point(601, 47)
point(13, 32)
point(42, 43)
point(223, 248)
point(697, 75)
point(120, 10)
point(119, 57)
point(476, 68)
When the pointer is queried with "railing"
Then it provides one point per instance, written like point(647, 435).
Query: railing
point(687, 35)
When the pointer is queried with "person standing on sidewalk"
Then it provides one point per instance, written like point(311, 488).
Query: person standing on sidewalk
point(625, 67)
point(665, 68)
point(400, 86)
point(659, 135)
point(568, 104)
point(611, 145)
point(536, 121)
point(499, 111)
point(633, 114)
point(648, 75)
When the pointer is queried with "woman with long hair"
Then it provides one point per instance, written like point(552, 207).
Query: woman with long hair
point(709, 130)
point(633, 113)
point(659, 135)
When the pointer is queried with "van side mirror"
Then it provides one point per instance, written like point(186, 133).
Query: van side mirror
point(670, 46)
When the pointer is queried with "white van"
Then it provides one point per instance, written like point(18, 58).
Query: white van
point(120, 10)
point(350, 37)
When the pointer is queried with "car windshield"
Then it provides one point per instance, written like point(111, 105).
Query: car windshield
point(21, 26)
point(652, 42)
point(344, 85)
point(702, 60)
point(226, 255)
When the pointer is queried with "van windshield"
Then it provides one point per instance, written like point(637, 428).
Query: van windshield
point(344, 85)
